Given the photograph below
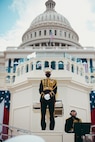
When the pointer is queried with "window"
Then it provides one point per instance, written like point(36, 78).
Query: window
point(46, 64)
point(65, 34)
point(69, 35)
point(60, 65)
point(53, 65)
point(35, 34)
point(72, 68)
point(44, 32)
point(27, 68)
point(39, 33)
point(55, 32)
point(60, 33)
point(50, 32)
point(38, 65)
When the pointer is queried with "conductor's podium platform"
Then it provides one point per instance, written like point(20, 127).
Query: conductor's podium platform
point(58, 107)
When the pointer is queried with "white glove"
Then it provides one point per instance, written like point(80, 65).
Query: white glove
point(47, 97)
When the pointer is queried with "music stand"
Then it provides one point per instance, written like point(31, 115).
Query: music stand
point(82, 128)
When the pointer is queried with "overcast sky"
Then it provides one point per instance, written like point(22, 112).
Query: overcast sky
point(17, 15)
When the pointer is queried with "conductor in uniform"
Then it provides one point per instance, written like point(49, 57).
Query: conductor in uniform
point(47, 90)
point(69, 125)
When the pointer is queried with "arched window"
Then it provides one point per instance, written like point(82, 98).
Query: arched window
point(53, 65)
point(46, 64)
point(60, 65)
point(38, 65)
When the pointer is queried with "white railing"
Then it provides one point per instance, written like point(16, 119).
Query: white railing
point(11, 131)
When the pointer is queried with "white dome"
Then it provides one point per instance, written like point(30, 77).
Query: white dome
point(38, 34)
point(50, 16)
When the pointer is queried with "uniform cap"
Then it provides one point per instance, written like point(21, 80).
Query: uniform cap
point(47, 70)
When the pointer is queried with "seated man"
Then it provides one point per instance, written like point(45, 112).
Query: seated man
point(69, 125)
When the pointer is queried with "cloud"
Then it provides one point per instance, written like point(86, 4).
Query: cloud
point(78, 12)
point(27, 10)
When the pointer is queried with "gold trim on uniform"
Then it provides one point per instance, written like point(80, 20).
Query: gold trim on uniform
point(42, 94)
point(52, 93)
point(49, 84)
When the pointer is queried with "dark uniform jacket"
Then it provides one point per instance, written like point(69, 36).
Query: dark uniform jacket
point(69, 125)
point(48, 86)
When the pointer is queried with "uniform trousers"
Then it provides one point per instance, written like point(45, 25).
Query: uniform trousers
point(50, 104)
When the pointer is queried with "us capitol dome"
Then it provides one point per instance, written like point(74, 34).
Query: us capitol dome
point(52, 28)
point(49, 42)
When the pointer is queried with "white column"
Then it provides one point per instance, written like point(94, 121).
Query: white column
point(34, 65)
point(42, 65)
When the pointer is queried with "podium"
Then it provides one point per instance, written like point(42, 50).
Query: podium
point(80, 130)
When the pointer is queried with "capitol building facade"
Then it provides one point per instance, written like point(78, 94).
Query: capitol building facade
point(50, 41)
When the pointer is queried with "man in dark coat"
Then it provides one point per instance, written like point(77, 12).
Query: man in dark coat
point(47, 90)
point(69, 125)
